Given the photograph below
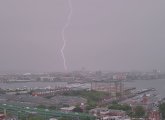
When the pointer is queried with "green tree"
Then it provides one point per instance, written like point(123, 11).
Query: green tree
point(65, 118)
point(42, 106)
point(93, 97)
point(78, 109)
point(139, 112)
point(117, 106)
point(35, 118)
point(2, 91)
point(162, 110)
point(52, 108)
point(70, 118)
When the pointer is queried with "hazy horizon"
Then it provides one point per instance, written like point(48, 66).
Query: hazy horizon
point(108, 35)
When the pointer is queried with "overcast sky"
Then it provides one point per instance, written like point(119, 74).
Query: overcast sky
point(115, 35)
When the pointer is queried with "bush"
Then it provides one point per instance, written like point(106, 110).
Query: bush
point(139, 112)
point(162, 110)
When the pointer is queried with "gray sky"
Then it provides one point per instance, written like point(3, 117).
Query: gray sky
point(119, 35)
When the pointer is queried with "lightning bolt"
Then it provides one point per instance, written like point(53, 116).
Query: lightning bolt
point(63, 34)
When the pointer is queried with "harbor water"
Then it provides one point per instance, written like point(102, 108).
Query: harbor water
point(158, 84)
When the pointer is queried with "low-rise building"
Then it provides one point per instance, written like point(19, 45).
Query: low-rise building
point(67, 109)
point(154, 115)
point(108, 114)
point(49, 92)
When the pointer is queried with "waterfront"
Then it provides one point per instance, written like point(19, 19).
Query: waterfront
point(32, 85)
point(147, 98)
point(142, 84)
point(139, 84)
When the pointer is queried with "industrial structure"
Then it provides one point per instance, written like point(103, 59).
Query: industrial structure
point(114, 88)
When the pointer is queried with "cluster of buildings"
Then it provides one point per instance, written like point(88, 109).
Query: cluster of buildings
point(80, 76)
point(108, 114)
point(49, 92)
point(147, 98)
point(111, 83)
point(154, 115)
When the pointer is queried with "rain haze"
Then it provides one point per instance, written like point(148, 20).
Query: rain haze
point(113, 35)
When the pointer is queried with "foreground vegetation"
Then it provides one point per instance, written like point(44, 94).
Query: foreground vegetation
point(162, 110)
point(93, 97)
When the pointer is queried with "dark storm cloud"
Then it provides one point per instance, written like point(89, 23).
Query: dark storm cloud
point(103, 34)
